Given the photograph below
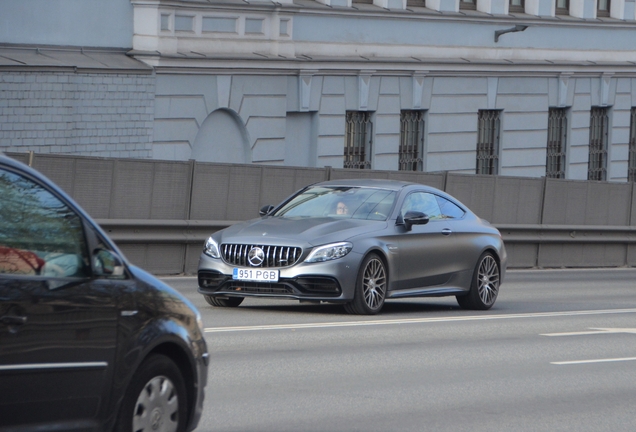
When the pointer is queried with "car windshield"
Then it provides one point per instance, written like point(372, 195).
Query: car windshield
point(340, 202)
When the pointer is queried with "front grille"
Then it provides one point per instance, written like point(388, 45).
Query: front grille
point(275, 256)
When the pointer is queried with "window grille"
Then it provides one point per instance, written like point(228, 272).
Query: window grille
point(557, 140)
point(517, 6)
point(562, 7)
point(603, 8)
point(597, 165)
point(411, 140)
point(489, 124)
point(468, 4)
point(357, 149)
point(631, 170)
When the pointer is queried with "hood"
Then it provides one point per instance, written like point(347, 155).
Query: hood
point(297, 231)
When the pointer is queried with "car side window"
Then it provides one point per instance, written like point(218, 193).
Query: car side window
point(422, 202)
point(449, 209)
point(39, 234)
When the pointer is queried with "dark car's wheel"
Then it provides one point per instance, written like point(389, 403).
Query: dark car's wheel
point(224, 302)
point(156, 398)
point(371, 287)
point(485, 285)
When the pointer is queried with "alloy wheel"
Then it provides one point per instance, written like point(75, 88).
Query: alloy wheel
point(374, 283)
point(488, 280)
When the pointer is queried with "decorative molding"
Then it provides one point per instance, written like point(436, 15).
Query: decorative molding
point(364, 79)
point(223, 87)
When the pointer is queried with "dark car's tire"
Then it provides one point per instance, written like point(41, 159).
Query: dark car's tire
point(224, 302)
point(156, 398)
point(484, 288)
point(371, 286)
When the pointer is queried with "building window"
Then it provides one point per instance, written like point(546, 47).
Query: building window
point(603, 8)
point(411, 140)
point(468, 4)
point(517, 6)
point(631, 170)
point(599, 125)
point(557, 140)
point(357, 151)
point(489, 124)
point(562, 7)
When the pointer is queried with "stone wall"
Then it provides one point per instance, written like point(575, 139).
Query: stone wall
point(96, 114)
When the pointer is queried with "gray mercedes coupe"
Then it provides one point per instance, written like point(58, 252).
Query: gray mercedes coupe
point(358, 243)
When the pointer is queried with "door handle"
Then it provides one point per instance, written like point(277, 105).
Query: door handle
point(447, 231)
point(13, 320)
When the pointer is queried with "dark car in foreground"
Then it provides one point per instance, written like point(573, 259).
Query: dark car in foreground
point(358, 243)
point(88, 342)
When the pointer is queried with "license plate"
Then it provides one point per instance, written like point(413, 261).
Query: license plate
point(255, 275)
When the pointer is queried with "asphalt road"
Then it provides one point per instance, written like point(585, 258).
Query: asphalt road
point(556, 353)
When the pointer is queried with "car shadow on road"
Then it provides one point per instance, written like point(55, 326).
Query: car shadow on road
point(390, 308)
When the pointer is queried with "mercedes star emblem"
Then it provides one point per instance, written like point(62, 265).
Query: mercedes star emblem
point(256, 256)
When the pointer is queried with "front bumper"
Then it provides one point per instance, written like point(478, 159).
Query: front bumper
point(329, 281)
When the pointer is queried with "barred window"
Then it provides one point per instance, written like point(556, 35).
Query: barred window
point(489, 123)
point(631, 170)
point(599, 124)
point(468, 4)
point(557, 140)
point(411, 140)
point(517, 6)
point(562, 7)
point(357, 150)
point(603, 8)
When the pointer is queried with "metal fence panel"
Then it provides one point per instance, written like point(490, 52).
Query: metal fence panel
point(244, 192)
point(171, 190)
point(93, 185)
point(280, 182)
point(517, 200)
point(60, 169)
point(210, 188)
point(564, 202)
point(132, 190)
point(21, 157)
point(574, 202)
point(156, 258)
point(433, 180)
point(475, 191)
point(581, 255)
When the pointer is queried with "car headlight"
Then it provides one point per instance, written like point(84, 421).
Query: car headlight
point(211, 249)
point(329, 252)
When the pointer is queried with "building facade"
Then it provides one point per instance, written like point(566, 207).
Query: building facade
point(511, 87)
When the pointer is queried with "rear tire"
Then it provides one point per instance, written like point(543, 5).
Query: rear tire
point(484, 288)
point(224, 302)
point(156, 398)
point(371, 286)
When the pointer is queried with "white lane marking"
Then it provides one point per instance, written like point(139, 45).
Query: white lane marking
point(594, 331)
point(416, 320)
point(575, 362)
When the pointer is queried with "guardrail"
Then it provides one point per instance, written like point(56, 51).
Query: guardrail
point(529, 245)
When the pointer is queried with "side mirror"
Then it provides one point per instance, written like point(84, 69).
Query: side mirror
point(265, 210)
point(414, 218)
point(108, 264)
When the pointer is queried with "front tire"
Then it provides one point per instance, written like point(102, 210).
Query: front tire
point(156, 398)
point(485, 285)
point(371, 286)
point(224, 302)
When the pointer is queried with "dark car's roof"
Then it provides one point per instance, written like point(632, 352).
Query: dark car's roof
point(375, 183)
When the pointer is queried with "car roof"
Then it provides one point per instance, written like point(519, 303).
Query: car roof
point(374, 183)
